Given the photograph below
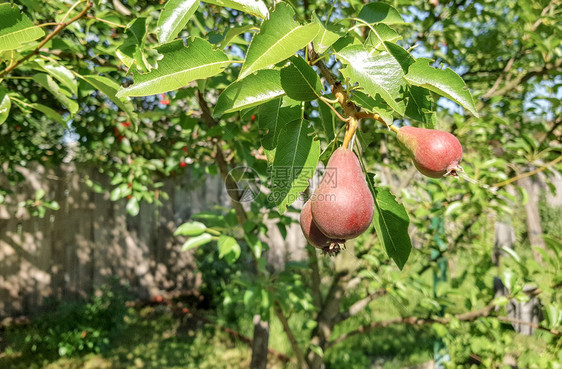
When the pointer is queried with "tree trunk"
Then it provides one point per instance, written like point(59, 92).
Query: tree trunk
point(534, 227)
point(504, 237)
point(326, 320)
point(260, 343)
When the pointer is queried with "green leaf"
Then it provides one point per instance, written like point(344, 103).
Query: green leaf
point(50, 113)
point(190, 229)
point(443, 82)
point(228, 248)
point(132, 50)
point(133, 206)
point(16, 29)
point(23, 104)
point(325, 38)
point(402, 56)
point(233, 32)
point(117, 193)
point(371, 105)
point(280, 37)
point(273, 116)
point(62, 74)
point(126, 145)
point(381, 33)
point(376, 74)
point(194, 242)
point(110, 88)
point(328, 119)
point(376, 12)
point(248, 295)
point(49, 84)
point(391, 223)
point(174, 17)
point(420, 106)
point(179, 66)
point(317, 350)
point(300, 81)
point(5, 105)
point(53, 205)
point(251, 91)
point(420, 103)
point(294, 164)
point(39, 194)
point(254, 7)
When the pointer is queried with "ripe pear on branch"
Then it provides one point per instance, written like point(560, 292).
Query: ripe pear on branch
point(435, 153)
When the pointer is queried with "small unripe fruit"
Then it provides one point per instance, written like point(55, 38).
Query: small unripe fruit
point(342, 205)
point(435, 153)
point(312, 234)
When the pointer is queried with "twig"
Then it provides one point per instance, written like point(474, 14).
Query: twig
point(469, 316)
point(106, 21)
point(292, 340)
point(465, 317)
point(557, 123)
point(528, 174)
point(536, 326)
point(358, 306)
point(327, 102)
point(377, 117)
point(522, 78)
point(312, 55)
point(493, 90)
point(57, 29)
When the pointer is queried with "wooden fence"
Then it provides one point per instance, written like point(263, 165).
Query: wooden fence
point(69, 252)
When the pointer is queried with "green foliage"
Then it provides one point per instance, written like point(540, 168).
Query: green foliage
point(249, 92)
point(391, 217)
point(280, 38)
point(242, 86)
point(74, 328)
point(551, 218)
point(294, 163)
point(17, 29)
point(179, 66)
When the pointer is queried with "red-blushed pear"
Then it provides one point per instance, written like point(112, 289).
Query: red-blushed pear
point(342, 206)
point(314, 236)
point(435, 153)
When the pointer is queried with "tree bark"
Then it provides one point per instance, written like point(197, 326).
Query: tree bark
point(260, 343)
point(326, 320)
point(534, 227)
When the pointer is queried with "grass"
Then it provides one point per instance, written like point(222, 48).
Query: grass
point(153, 338)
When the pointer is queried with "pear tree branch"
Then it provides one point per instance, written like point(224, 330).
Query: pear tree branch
point(290, 335)
point(413, 320)
point(60, 26)
point(360, 305)
point(464, 317)
point(528, 174)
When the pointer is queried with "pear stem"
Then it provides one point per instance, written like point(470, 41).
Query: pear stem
point(350, 131)
point(375, 116)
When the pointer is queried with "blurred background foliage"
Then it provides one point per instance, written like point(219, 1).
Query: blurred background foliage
point(509, 54)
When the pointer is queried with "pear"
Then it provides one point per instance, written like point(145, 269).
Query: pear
point(313, 235)
point(342, 206)
point(435, 153)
